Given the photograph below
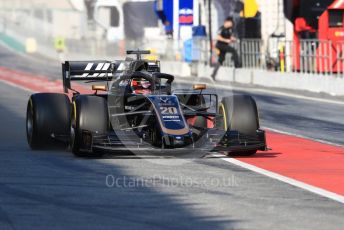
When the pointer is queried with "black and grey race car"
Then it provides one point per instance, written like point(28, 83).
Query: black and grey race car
point(133, 106)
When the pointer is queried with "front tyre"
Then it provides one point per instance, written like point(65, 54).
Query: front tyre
point(240, 113)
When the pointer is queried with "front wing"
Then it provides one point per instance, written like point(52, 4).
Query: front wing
point(215, 141)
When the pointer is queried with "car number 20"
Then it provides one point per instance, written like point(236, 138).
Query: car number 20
point(169, 110)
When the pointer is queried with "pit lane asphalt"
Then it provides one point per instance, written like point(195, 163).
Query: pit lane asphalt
point(54, 190)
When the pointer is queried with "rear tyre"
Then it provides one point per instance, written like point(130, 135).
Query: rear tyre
point(89, 113)
point(47, 116)
point(240, 113)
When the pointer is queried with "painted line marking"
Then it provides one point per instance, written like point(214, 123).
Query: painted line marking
point(16, 86)
point(219, 86)
point(296, 183)
point(338, 4)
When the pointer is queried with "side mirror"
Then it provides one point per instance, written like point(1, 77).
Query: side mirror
point(199, 86)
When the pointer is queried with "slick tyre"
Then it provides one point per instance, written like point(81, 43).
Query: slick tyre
point(47, 120)
point(240, 113)
point(90, 114)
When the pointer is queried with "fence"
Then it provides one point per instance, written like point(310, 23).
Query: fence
point(307, 57)
point(339, 65)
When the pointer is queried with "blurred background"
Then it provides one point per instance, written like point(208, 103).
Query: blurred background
point(293, 36)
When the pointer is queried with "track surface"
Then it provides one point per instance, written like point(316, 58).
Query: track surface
point(55, 190)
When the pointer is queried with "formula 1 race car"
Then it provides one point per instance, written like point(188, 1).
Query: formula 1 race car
point(133, 106)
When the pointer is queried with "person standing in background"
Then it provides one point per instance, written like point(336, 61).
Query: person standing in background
point(224, 39)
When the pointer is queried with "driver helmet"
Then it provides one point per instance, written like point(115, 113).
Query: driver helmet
point(141, 86)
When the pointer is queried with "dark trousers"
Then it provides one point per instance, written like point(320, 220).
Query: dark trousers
point(225, 48)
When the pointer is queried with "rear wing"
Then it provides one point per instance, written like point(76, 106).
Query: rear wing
point(102, 70)
point(87, 71)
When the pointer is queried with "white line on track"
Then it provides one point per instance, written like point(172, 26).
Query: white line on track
point(16, 86)
point(286, 95)
point(338, 4)
point(220, 86)
point(299, 184)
